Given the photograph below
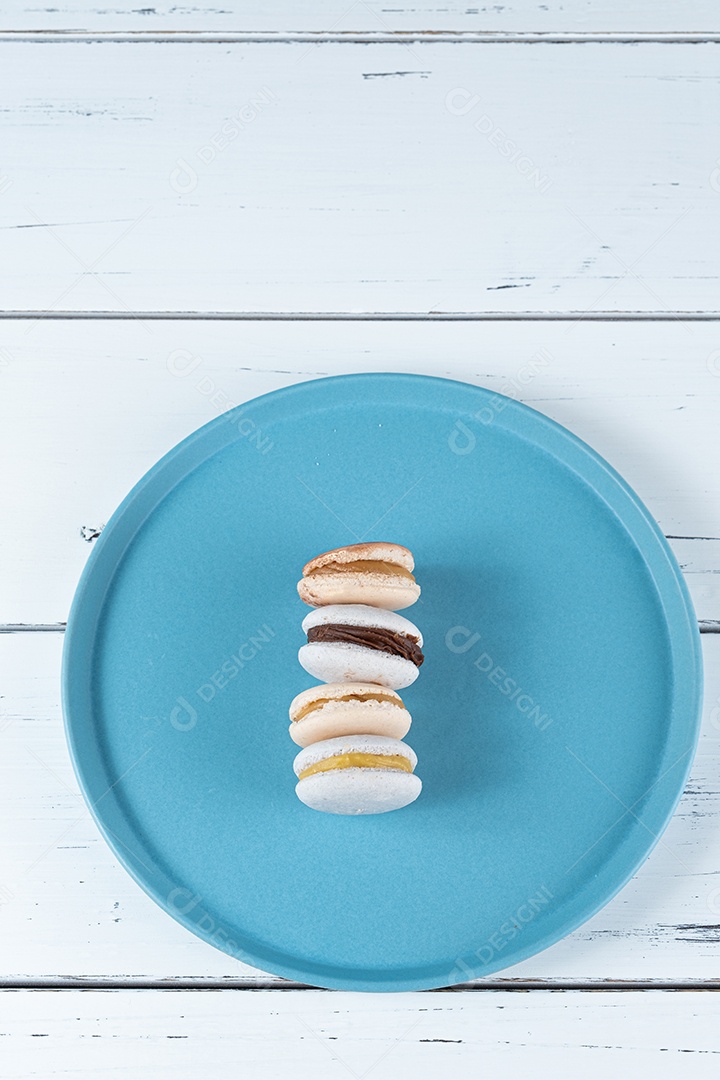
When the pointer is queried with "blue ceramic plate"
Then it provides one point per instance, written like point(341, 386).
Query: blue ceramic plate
point(555, 716)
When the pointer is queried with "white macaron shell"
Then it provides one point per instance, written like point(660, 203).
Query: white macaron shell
point(341, 661)
point(362, 615)
point(352, 744)
point(359, 791)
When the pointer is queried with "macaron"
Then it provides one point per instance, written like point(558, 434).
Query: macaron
point(378, 574)
point(326, 712)
point(350, 643)
point(357, 774)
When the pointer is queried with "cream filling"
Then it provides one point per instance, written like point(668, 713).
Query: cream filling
point(357, 760)
point(364, 566)
point(313, 706)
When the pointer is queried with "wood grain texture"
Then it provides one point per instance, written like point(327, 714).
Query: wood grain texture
point(86, 408)
point(405, 178)
point(370, 15)
point(290, 178)
point(276, 1034)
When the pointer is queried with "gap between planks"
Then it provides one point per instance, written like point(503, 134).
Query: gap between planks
point(366, 316)
point(350, 37)
point(521, 986)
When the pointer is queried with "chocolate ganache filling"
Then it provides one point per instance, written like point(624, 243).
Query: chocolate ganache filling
point(372, 637)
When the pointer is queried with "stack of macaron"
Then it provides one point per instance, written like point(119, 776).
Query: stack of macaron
point(353, 760)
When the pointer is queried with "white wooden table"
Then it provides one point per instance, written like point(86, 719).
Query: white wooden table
point(198, 205)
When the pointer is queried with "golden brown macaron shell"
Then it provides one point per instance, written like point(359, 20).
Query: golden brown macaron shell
point(375, 573)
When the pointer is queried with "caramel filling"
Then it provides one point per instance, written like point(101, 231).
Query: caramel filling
point(313, 705)
point(358, 760)
point(365, 566)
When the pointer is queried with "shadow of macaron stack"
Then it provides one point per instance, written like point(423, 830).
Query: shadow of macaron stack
point(353, 759)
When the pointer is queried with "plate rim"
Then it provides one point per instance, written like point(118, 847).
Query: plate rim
point(79, 632)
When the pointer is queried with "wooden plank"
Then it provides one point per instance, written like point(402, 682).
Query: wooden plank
point(68, 910)
point(369, 16)
point(515, 179)
point(88, 407)
point(310, 1033)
